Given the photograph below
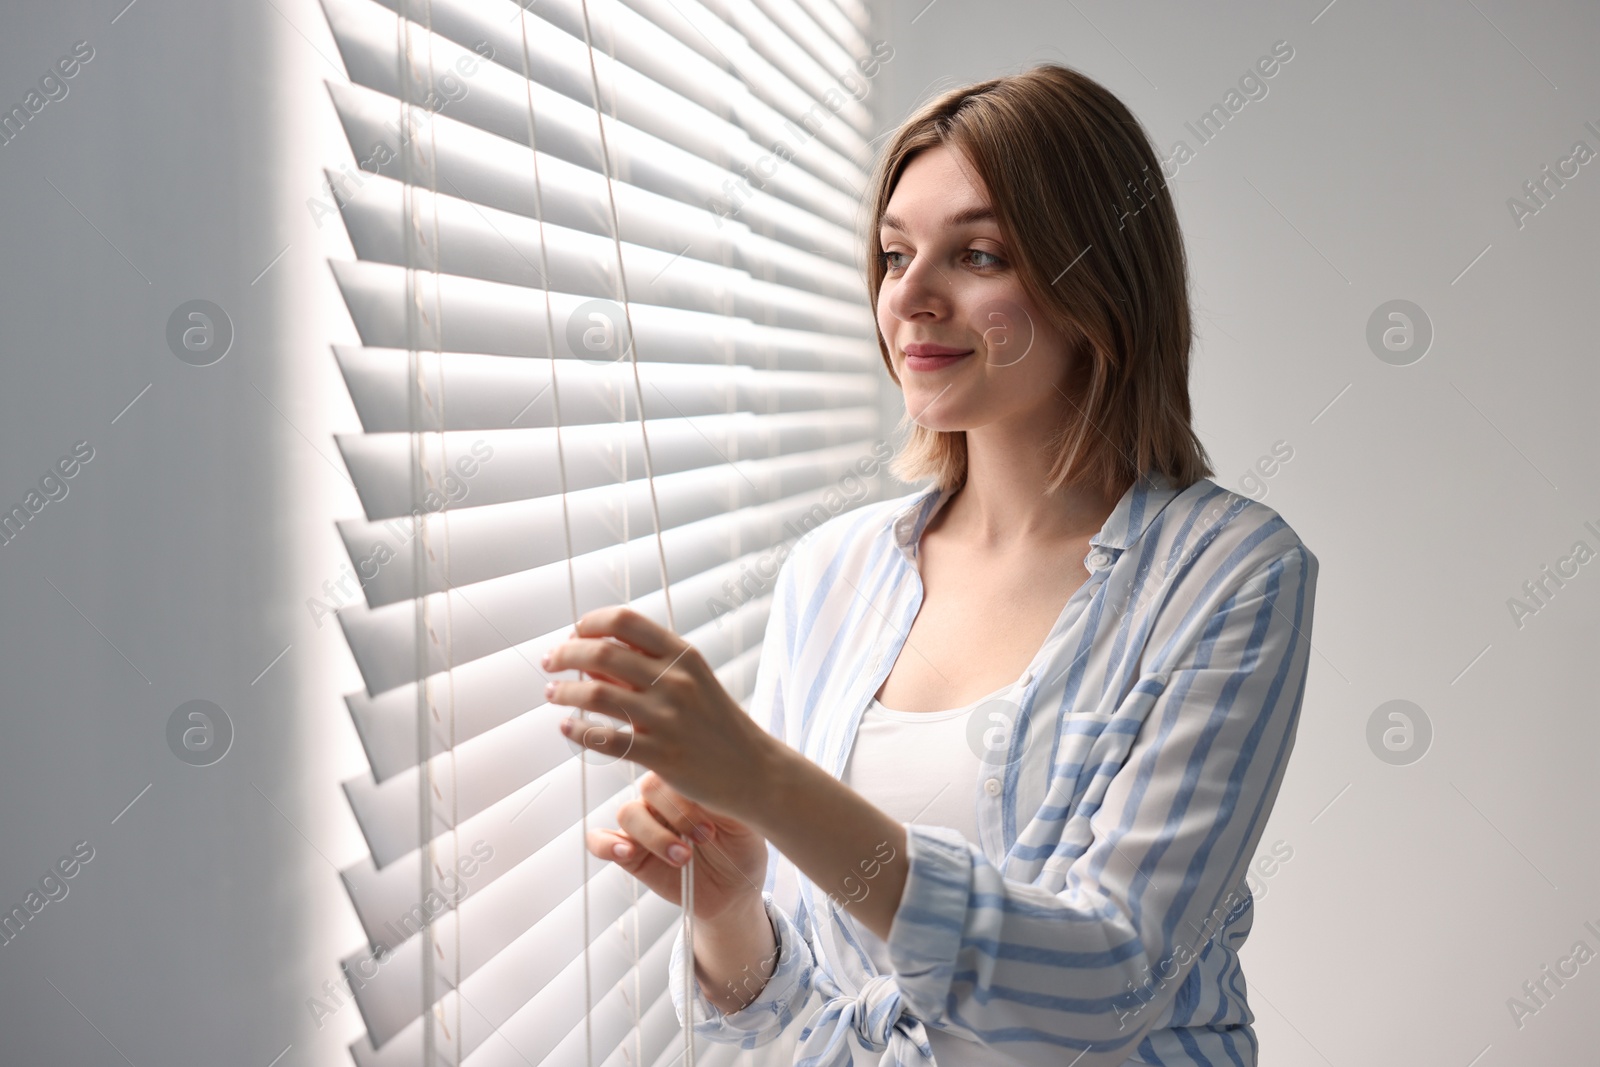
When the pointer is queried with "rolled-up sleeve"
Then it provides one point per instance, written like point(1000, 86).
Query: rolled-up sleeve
point(1082, 974)
point(784, 994)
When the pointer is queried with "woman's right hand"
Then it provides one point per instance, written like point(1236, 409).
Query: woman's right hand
point(730, 865)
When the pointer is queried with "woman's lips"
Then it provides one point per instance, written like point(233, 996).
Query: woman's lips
point(921, 363)
point(926, 357)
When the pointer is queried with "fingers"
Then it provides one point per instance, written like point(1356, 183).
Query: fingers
point(599, 738)
point(681, 813)
point(606, 659)
point(619, 848)
point(603, 697)
point(626, 624)
point(645, 827)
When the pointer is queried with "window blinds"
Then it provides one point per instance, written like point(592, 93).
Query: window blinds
point(614, 349)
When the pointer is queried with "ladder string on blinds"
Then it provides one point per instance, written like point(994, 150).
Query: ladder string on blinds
point(534, 177)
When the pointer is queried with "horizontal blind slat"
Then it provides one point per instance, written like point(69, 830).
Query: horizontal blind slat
point(845, 33)
point(503, 612)
point(654, 82)
point(802, 69)
point(493, 318)
point(797, 24)
point(486, 1002)
point(699, 28)
point(500, 539)
point(514, 464)
point(490, 169)
point(496, 100)
point(506, 392)
point(537, 900)
point(491, 245)
point(532, 1031)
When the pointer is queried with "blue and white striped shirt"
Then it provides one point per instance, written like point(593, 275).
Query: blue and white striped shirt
point(1098, 918)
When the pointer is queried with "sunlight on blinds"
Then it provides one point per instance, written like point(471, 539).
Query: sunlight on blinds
point(614, 348)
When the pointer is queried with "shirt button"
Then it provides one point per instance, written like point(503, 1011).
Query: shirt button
point(1027, 676)
point(992, 787)
point(1098, 559)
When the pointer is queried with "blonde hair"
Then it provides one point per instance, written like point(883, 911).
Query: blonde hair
point(1077, 191)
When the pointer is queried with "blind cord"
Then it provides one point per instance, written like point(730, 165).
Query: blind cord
point(566, 521)
point(571, 576)
point(452, 1034)
point(686, 882)
point(427, 710)
point(627, 579)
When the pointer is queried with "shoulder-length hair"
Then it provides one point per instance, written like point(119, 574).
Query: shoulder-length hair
point(1081, 202)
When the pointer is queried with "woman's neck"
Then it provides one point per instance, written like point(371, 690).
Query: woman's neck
point(1002, 504)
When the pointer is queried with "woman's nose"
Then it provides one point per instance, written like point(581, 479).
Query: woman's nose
point(919, 291)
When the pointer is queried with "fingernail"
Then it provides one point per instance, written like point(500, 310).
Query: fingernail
point(701, 831)
point(545, 660)
point(678, 853)
point(622, 852)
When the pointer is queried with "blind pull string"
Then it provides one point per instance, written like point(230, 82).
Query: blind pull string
point(583, 769)
point(566, 515)
point(686, 883)
point(452, 1035)
point(428, 714)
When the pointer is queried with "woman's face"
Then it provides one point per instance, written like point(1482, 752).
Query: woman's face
point(949, 289)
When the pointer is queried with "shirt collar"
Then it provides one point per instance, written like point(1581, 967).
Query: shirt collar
point(1139, 506)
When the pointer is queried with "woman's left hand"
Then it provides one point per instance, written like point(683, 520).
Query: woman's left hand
point(685, 725)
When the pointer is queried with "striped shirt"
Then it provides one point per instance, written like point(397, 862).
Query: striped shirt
point(1097, 919)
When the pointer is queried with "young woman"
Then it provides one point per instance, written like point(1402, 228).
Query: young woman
point(1015, 736)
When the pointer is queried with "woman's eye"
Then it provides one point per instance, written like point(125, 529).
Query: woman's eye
point(979, 258)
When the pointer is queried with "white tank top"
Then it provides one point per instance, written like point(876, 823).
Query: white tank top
point(919, 766)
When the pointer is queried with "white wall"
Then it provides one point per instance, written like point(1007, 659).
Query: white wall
point(178, 564)
point(1378, 167)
